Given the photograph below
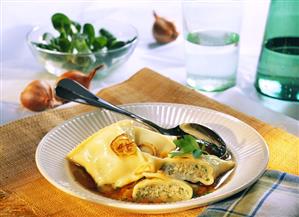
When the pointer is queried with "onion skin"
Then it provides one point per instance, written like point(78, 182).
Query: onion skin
point(80, 77)
point(163, 30)
point(37, 96)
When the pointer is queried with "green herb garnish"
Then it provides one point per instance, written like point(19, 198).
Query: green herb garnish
point(76, 38)
point(187, 145)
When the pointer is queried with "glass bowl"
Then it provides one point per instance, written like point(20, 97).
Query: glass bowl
point(57, 63)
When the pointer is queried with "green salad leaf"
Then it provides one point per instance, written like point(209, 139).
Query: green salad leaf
point(187, 145)
point(77, 27)
point(89, 32)
point(99, 42)
point(63, 44)
point(48, 37)
point(61, 23)
point(107, 34)
point(74, 37)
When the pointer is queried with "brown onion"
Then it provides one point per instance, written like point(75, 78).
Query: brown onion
point(80, 77)
point(38, 96)
point(164, 31)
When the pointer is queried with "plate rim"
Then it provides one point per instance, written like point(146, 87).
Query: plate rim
point(155, 208)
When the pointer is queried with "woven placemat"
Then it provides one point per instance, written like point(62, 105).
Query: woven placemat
point(24, 192)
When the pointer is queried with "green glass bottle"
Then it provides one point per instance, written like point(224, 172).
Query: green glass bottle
point(278, 69)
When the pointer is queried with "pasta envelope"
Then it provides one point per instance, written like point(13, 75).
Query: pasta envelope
point(159, 188)
point(205, 169)
point(154, 143)
point(111, 155)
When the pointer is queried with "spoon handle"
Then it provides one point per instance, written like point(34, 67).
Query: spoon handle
point(73, 91)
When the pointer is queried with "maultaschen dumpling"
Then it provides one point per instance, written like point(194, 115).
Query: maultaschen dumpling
point(157, 187)
point(205, 169)
point(112, 157)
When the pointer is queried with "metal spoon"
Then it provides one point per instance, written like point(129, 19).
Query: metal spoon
point(72, 91)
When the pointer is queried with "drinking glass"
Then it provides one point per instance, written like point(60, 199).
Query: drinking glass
point(278, 68)
point(211, 33)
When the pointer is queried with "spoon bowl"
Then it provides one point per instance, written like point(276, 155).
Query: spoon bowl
point(70, 90)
